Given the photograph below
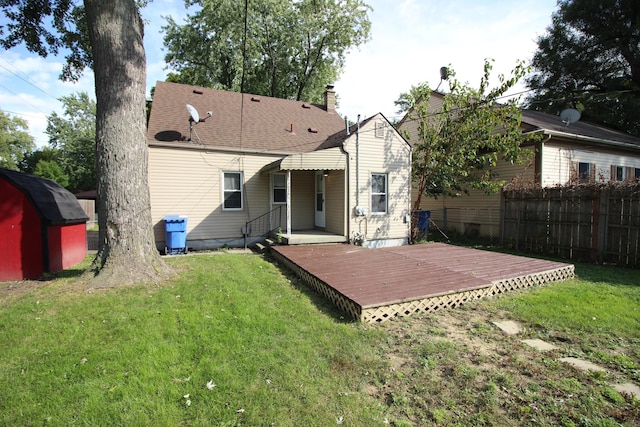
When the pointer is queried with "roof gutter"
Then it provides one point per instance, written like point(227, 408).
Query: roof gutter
point(589, 139)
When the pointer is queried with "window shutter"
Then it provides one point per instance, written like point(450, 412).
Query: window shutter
point(592, 173)
point(629, 174)
point(613, 173)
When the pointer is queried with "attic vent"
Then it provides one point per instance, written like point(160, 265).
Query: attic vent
point(306, 106)
point(380, 128)
point(254, 99)
point(313, 130)
point(199, 92)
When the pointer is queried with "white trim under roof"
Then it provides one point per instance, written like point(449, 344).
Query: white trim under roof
point(585, 138)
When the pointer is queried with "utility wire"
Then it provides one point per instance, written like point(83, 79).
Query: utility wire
point(22, 99)
point(26, 80)
point(19, 114)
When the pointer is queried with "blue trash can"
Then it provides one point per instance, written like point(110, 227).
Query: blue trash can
point(175, 227)
point(423, 220)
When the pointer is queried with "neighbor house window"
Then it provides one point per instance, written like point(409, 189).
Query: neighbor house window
point(279, 188)
point(584, 172)
point(378, 193)
point(232, 191)
point(637, 174)
point(618, 173)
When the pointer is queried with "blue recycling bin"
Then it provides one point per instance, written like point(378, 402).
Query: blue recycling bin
point(175, 227)
point(423, 220)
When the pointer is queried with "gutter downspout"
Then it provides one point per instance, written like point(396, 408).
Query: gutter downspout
point(358, 163)
point(288, 203)
point(347, 180)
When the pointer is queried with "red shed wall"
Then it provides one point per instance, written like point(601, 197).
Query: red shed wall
point(67, 245)
point(20, 236)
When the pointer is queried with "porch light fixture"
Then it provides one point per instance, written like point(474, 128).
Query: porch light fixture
point(326, 172)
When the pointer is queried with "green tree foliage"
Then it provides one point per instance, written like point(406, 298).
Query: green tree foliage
point(74, 134)
point(457, 146)
point(293, 48)
point(45, 162)
point(589, 59)
point(51, 170)
point(15, 141)
point(30, 161)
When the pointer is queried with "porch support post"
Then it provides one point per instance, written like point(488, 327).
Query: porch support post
point(289, 203)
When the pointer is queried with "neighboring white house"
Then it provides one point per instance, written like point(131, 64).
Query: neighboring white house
point(565, 154)
point(253, 164)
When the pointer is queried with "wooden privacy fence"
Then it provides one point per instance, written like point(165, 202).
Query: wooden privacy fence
point(582, 223)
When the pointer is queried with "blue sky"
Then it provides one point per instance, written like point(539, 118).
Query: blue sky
point(410, 41)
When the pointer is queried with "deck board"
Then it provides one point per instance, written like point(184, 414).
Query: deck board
point(388, 276)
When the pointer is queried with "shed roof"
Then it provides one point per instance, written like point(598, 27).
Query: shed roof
point(239, 121)
point(53, 202)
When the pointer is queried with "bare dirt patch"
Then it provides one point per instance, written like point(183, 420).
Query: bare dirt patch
point(9, 291)
point(455, 367)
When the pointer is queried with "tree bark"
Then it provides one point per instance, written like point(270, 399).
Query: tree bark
point(126, 251)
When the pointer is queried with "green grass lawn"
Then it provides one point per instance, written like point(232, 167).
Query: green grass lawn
point(235, 340)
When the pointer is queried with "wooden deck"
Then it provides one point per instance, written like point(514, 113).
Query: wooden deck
point(374, 285)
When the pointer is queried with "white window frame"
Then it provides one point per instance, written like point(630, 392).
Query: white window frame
point(581, 177)
point(377, 194)
point(274, 188)
point(225, 190)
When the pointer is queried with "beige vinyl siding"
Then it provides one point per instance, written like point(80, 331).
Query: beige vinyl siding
point(389, 155)
point(559, 162)
point(476, 212)
point(334, 202)
point(408, 128)
point(188, 182)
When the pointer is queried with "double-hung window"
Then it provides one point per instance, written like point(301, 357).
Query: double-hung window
point(232, 191)
point(279, 188)
point(584, 172)
point(378, 193)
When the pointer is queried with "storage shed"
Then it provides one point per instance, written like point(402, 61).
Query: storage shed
point(42, 227)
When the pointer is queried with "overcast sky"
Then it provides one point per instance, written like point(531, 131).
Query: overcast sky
point(410, 41)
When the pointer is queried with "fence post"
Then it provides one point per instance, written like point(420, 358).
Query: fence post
point(595, 223)
point(604, 214)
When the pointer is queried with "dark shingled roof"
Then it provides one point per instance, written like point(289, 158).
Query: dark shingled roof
point(264, 124)
point(540, 120)
point(53, 202)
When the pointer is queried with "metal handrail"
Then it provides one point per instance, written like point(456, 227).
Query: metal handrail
point(263, 225)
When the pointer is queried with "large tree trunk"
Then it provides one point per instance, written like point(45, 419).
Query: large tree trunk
point(126, 252)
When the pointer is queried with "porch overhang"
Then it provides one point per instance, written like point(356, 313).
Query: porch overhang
point(329, 159)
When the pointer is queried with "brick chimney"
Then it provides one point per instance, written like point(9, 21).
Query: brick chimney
point(330, 99)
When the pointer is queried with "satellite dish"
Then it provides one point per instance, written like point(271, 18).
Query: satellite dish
point(193, 112)
point(570, 115)
point(444, 73)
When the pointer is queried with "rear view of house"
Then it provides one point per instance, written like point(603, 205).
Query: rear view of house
point(240, 166)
